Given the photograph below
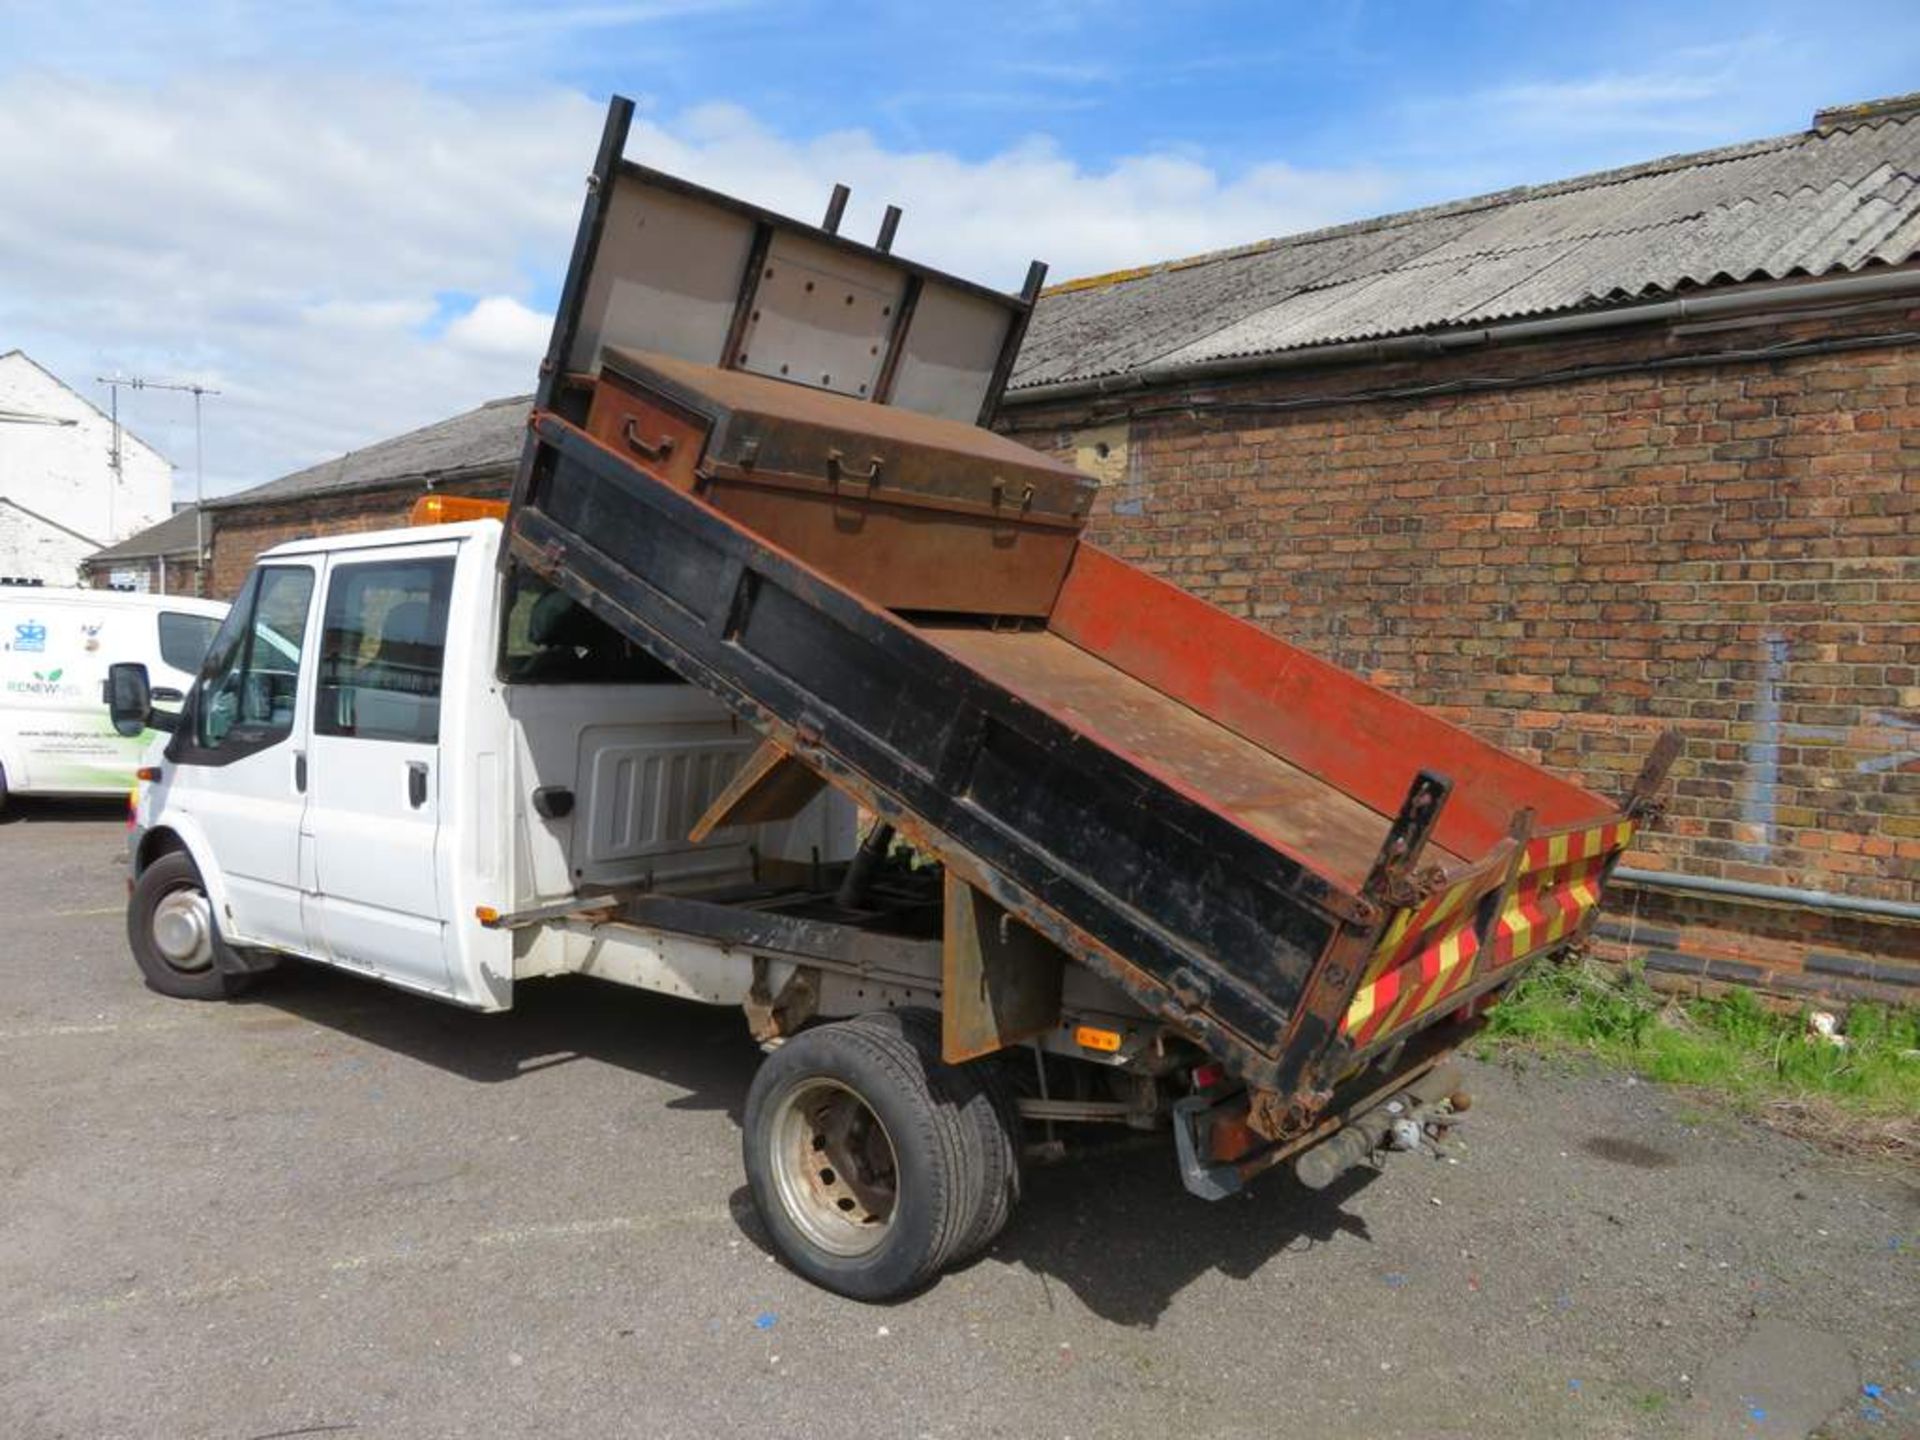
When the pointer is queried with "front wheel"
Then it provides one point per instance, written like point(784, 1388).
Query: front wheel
point(171, 929)
point(860, 1160)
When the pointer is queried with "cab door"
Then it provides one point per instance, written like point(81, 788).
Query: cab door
point(373, 763)
point(238, 767)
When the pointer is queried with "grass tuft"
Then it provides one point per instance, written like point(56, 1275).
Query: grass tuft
point(1732, 1045)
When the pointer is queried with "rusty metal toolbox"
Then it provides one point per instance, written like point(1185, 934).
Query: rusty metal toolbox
point(915, 512)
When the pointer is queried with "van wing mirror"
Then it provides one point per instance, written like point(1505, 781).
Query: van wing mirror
point(130, 700)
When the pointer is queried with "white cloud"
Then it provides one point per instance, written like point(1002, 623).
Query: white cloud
point(988, 218)
point(346, 258)
point(1688, 97)
point(501, 325)
point(285, 244)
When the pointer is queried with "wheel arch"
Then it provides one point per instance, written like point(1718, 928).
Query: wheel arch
point(154, 844)
point(179, 833)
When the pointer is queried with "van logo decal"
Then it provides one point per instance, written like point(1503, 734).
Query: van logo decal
point(30, 635)
point(49, 685)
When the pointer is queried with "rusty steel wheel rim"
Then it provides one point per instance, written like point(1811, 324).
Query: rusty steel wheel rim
point(834, 1166)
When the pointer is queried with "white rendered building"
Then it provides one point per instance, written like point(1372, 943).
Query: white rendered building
point(60, 499)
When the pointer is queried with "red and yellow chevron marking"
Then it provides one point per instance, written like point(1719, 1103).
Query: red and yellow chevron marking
point(1559, 883)
point(1431, 950)
point(1404, 992)
point(1408, 930)
point(1569, 846)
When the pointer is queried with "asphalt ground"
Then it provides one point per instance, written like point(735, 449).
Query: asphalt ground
point(333, 1209)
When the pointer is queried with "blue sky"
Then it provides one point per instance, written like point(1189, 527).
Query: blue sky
point(351, 218)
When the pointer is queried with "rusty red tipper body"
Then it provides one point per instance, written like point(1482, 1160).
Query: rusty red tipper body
point(1316, 762)
point(1301, 873)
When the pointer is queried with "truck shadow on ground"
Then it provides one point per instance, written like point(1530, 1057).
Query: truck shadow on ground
point(701, 1049)
point(1114, 1227)
point(1123, 1234)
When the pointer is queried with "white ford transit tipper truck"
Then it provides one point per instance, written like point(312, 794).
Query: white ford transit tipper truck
point(398, 761)
point(1132, 860)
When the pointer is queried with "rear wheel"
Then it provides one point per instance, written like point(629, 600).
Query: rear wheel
point(860, 1159)
point(984, 1091)
point(171, 928)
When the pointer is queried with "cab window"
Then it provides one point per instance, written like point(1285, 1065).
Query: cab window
point(382, 649)
point(546, 639)
point(252, 670)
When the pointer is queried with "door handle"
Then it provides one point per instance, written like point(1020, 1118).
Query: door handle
point(416, 783)
point(167, 693)
point(300, 771)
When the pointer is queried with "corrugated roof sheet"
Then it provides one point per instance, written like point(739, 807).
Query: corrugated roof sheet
point(1837, 199)
point(481, 439)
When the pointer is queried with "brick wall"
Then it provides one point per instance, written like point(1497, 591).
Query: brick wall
point(241, 532)
point(1729, 546)
point(161, 575)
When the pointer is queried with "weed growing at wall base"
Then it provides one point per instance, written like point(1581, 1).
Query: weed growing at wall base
point(1731, 1045)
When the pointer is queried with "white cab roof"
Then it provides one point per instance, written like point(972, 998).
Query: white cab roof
point(372, 539)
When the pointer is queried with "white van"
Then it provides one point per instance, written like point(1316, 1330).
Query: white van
point(55, 737)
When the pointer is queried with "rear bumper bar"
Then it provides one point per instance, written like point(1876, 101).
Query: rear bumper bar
point(1351, 1128)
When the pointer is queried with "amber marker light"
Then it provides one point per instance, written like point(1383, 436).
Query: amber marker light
point(447, 509)
point(1092, 1037)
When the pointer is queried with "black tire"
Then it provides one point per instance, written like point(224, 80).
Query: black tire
point(991, 1108)
point(175, 959)
point(860, 1159)
point(3, 788)
point(997, 1080)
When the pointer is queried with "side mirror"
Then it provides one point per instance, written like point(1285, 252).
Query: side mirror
point(130, 700)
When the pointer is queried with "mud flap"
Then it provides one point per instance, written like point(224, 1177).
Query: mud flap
point(1208, 1179)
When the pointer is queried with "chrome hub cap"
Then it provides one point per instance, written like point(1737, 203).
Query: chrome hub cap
point(182, 930)
point(834, 1165)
